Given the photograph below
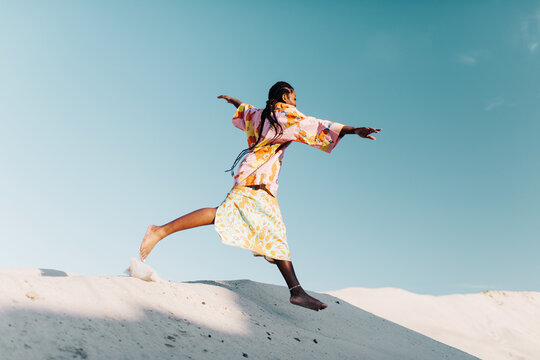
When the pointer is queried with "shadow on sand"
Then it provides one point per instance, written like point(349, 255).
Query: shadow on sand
point(52, 272)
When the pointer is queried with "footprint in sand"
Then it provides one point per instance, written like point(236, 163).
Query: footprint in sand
point(32, 295)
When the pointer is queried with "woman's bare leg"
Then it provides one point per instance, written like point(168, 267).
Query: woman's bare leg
point(298, 295)
point(156, 233)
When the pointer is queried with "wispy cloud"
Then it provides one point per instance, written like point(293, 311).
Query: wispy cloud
point(530, 28)
point(466, 59)
point(496, 102)
point(472, 57)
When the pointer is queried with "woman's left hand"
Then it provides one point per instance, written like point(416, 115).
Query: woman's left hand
point(365, 132)
point(230, 100)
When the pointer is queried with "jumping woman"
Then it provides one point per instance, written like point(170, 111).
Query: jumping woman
point(249, 217)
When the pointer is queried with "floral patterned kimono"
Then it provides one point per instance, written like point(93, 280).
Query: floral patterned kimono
point(249, 217)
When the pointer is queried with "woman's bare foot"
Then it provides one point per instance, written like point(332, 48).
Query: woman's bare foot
point(151, 238)
point(301, 298)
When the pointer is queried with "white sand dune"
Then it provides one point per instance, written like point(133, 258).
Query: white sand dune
point(492, 325)
point(46, 314)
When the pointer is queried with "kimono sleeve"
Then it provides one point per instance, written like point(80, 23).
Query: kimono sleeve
point(320, 134)
point(239, 118)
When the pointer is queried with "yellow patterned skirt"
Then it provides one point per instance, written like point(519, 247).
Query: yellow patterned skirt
point(251, 219)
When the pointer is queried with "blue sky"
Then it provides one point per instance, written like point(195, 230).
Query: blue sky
point(110, 122)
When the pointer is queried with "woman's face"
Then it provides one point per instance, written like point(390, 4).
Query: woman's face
point(290, 98)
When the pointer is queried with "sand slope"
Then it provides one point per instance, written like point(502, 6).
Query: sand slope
point(49, 315)
point(492, 325)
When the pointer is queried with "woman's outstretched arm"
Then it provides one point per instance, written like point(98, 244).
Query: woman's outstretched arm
point(230, 100)
point(360, 131)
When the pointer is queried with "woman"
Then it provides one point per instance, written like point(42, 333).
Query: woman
point(250, 217)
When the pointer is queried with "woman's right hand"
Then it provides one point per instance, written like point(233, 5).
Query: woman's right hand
point(365, 132)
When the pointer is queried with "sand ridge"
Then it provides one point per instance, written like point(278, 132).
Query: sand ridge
point(493, 325)
point(116, 317)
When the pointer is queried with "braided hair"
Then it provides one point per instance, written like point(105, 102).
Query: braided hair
point(275, 95)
